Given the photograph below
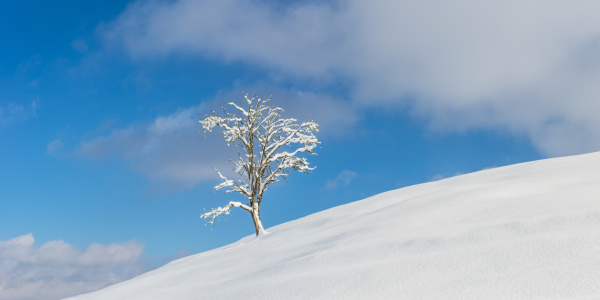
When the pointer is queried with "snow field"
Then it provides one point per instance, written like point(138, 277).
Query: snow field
point(526, 231)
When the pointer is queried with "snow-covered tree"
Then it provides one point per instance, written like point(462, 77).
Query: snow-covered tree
point(268, 148)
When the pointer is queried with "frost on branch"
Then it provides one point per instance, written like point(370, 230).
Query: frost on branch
point(268, 150)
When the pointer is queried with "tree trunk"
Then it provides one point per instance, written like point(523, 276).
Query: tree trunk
point(258, 227)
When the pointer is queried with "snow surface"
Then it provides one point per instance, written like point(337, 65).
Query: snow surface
point(528, 231)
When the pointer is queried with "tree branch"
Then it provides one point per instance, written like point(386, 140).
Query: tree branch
point(219, 211)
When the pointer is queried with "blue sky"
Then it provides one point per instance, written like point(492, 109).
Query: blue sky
point(99, 102)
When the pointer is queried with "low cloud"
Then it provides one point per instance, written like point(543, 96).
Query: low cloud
point(459, 65)
point(173, 153)
point(170, 151)
point(342, 179)
point(437, 177)
point(56, 269)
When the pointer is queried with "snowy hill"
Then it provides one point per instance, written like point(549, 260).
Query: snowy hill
point(530, 230)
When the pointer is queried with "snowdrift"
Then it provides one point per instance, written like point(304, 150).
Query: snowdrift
point(530, 230)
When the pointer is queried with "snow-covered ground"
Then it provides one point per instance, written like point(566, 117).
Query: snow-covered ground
point(530, 230)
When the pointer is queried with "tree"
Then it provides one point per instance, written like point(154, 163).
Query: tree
point(261, 136)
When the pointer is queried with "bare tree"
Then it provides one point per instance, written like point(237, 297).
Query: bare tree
point(267, 145)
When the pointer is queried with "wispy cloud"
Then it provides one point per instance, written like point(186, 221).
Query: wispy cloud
point(57, 269)
point(11, 112)
point(459, 65)
point(54, 146)
point(342, 179)
point(79, 45)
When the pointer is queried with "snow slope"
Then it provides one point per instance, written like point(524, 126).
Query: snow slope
point(530, 230)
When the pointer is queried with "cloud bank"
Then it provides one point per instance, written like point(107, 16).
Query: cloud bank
point(530, 68)
point(56, 269)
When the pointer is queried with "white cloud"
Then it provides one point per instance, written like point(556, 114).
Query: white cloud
point(342, 179)
point(174, 154)
point(56, 269)
point(170, 151)
point(528, 67)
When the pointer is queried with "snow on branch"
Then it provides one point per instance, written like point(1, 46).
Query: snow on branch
point(215, 213)
point(226, 182)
